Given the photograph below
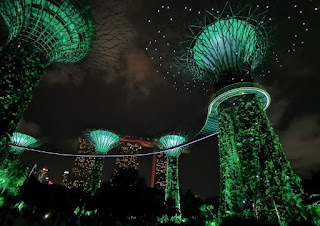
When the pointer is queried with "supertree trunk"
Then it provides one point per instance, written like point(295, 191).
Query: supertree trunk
point(172, 195)
point(94, 177)
point(257, 181)
point(20, 73)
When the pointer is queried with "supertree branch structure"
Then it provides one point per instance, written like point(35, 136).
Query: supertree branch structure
point(227, 48)
point(224, 50)
point(21, 140)
point(113, 34)
point(103, 141)
point(256, 179)
point(285, 23)
point(12, 172)
point(58, 31)
point(172, 195)
point(40, 32)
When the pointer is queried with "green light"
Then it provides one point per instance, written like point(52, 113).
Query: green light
point(21, 140)
point(20, 205)
point(170, 141)
point(61, 31)
point(77, 210)
point(40, 32)
point(207, 213)
point(227, 44)
point(257, 181)
point(2, 201)
point(12, 176)
point(12, 172)
point(103, 140)
point(172, 195)
point(224, 49)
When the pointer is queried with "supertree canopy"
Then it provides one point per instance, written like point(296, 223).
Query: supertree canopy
point(227, 50)
point(175, 27)
point(59, 31)
point(103, 141)
point(257, 181)
point(227, 42)
point(222, 49)
point(20, 140)
point(12, 172)
point(40, 32)
point(172, 195)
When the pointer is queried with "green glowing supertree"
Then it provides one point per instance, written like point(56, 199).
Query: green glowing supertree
point(172, 195)
point(226, 48)
point(12, 172)
point(40, 32)
point(257, 181)
point(103, 141)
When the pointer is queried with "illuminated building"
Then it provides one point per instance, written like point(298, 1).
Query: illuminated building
point(160, 171)
point(65, 178)
point(42, 175)
point(133, 162)
point(128, 162)
point(82, 165)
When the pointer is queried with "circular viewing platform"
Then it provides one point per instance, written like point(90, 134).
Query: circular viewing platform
point(212, 125)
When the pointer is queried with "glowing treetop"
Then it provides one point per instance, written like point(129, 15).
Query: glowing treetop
point(21, 140)
point(228, 44)
point(60, 31)
point(170, 141)
point(226, 50)
point(103, 140)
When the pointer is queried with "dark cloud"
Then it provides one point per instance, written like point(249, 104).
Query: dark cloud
point(301, 143)
point(140, 76)
point(61, 74)
point(29, 127)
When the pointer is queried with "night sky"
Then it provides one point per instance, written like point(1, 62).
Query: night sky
point(133, 100)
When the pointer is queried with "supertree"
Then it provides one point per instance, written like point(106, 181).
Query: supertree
point(257, 181)
point(290, 22)
point(172, 195)
point(114, 33)
point(12, 172)
point(40, 33)
point(103, 141)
